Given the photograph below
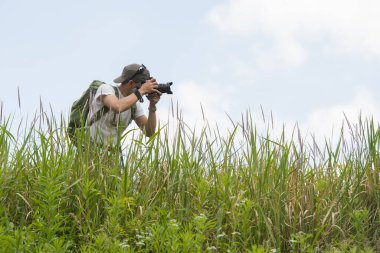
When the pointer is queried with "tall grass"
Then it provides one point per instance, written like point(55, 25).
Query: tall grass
point(189, 191)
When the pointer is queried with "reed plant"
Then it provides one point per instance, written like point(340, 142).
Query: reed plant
point(188, 190)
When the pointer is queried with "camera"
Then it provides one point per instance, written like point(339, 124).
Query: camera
point(165, 87)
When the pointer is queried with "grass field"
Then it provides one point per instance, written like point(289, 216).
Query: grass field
point(182, 191)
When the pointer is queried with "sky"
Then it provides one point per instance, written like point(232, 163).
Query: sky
point(304, 62)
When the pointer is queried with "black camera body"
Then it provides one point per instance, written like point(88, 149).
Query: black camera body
point(165, 87)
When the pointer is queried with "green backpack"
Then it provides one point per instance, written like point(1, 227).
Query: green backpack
point(81, 107)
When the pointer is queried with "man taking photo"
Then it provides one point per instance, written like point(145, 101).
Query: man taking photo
point(123, 105)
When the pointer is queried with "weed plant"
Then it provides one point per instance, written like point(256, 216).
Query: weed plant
point(188, 191)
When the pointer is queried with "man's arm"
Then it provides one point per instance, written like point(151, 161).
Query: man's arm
point(118, 105)
point(149, 124)
point(123, 104)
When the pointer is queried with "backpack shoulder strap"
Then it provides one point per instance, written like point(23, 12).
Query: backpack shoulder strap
point(104, 110)
point(133, 111)
point(117, 93)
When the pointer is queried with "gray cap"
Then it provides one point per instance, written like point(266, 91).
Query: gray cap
point(133, 71)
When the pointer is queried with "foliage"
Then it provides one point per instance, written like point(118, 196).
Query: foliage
point(188, 191)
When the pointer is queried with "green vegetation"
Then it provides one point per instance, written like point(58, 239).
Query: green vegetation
point(187, 192)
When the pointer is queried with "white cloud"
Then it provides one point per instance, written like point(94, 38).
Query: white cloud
point(322, 123)
point(346, 26)
point(192, 97)
point(285, 52)
point(327, 122)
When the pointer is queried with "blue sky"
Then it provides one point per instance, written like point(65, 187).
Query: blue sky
point(303, 61)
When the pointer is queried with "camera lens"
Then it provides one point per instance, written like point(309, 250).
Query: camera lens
point(165, 87)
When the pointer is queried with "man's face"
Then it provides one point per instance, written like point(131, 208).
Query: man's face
point(139, 83)
point(134, 84)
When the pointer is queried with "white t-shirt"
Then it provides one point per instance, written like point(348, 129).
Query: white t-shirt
point(108, 127)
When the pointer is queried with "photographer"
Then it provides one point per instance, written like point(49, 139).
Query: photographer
point(123, 105)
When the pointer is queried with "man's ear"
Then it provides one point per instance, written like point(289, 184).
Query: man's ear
point(130, 84)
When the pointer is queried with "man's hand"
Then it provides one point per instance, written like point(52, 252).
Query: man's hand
point(153, 98)
point(149, 87)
